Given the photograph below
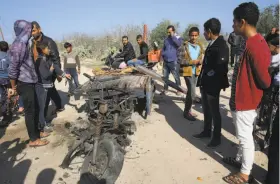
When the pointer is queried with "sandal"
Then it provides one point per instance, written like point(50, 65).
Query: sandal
point(38, 143)
point(232, 161)
point(44, 134)
point(235, 179)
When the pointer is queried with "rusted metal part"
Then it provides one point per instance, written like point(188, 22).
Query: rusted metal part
point(145, 33)
point(149, 95)
point(116, 121)
point(160, 78)
point(97, 133)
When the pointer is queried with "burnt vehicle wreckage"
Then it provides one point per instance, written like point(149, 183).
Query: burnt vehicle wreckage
point(111, 100)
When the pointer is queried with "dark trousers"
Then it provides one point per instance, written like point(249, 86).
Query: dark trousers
point(53, 94)
point(171, 67)
point(211, 111)
point(273, 154)
point(191, 85)
point(232, 57)
point(27, 92)
point(41, 94)
point(74, 76)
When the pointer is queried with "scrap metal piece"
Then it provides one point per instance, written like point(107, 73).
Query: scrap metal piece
point(160, 78)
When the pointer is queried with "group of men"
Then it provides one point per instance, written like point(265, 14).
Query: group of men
point(145, 57)
point(251, 58)
point(31, 71)
point(208, 70)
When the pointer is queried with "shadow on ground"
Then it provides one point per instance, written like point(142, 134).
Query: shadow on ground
point(13, 168)
point(186, 129)
point(46, 176)
point(2, 131)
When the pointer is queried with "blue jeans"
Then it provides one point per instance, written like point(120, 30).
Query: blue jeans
point(3, 99)
point(135, 63)
point(171, 67)
point(191, 85)
point(41, 94)
point(20, 103)
point(74, 76)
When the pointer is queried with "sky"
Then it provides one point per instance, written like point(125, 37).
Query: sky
point(60, 18)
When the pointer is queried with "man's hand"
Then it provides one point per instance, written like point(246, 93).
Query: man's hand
point(13, 84)
point(68, 76)
point(195, 62)
point(11, 92)
point(172, 33)
point(135, 59)
point(59, 78)
point(79, 71)
point(14, 87)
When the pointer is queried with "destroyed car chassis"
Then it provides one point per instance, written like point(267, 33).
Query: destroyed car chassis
point(109, 111)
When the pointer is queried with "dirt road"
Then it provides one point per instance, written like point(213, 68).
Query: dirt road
point(162, 150)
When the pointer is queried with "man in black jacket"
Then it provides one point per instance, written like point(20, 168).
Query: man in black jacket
point(144, 49)
point(212, 79)
point(128, 52)
point(39, 37)
point(236, 47)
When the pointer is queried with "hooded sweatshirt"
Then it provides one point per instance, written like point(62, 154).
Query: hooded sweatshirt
point(170, 48)
point(4, 65)
point(21, 63)
point(44, 73)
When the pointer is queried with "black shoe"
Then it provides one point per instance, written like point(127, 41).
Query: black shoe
point(189, 117)
point(214, 143)
point(202, 135)
point(60, 110)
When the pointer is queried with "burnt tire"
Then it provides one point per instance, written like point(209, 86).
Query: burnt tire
point(114, 164)
point(71, 154)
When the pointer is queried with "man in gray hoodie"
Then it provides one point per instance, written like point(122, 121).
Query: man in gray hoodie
point(23, 78)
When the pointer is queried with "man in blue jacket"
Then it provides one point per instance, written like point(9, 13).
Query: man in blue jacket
point(169, 55)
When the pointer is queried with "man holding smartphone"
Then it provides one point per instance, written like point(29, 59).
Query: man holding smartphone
point(169, 55)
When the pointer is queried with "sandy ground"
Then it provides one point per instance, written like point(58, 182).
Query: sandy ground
point(162, 150)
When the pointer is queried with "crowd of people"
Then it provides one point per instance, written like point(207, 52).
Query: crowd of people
point(32, 71)
point(255, 62)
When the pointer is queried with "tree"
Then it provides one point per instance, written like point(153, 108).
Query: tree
point(269, 18)
point(158, 34)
